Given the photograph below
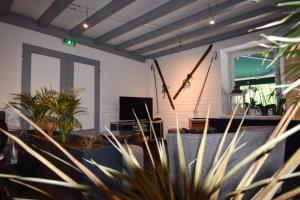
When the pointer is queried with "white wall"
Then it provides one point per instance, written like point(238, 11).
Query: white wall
point(175, 67)
point(119, 76)
point(124, 77)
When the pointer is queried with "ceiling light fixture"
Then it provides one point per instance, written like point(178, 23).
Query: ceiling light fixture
point(211, 16)
point(212, 21)
point(86, 24)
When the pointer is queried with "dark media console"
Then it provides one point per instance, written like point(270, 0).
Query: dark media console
point(131, 125)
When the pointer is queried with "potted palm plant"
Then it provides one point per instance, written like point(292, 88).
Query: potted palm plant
point(252, 107)
point(51, 110)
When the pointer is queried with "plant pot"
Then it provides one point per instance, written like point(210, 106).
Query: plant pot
point(264, 111)
point(270, 112)
point(252, 112)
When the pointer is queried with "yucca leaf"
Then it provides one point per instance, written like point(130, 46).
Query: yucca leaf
point(269, 191)
point(84, 169)
point(45, 181)
point(131, 154)
point(291, 87)
point(122, 150)
point(283, 39)
point(254, 168)
point(182, 162)
point(279, 22)
point(289, 195)
point(292, 3)
point(36, 189)
point(257, 153)
point(137, 173)
point(221, 144)
point(115, 175)
point(222, 169)
point(199, 160)
point(145, 140)
point(263, 182)
point(293, 69)
point(152, 127)
point(58, 158)
point(39, 157)
point(165, 172)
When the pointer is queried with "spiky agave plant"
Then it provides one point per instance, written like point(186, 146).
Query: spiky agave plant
point(139, 185)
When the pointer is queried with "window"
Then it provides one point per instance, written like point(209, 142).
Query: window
point(236, 69)
point(255, 74)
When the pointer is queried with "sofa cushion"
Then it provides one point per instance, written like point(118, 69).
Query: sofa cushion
point(253, 137)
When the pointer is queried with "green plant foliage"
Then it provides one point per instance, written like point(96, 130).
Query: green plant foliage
point(288, 44)
point(51, 110)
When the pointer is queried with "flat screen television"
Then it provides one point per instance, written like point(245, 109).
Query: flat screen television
point(136, 103)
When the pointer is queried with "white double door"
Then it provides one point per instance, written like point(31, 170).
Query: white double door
point(61, 71)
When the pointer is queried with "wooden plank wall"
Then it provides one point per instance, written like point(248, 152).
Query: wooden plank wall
point(291, 97)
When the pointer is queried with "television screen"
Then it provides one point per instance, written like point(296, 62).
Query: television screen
point(136, 103)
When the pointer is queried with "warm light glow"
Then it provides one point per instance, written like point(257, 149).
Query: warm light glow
point(212, 22)
point(85, 25)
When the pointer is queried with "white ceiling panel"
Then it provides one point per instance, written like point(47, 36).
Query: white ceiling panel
point(132, 11)
point(201, 24)
point(184, 12)
point(162, 21)
point(176, 33)
point(77, 12)
point(232, 27)
point(30, 8)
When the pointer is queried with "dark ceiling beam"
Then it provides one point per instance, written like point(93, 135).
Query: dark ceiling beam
point(105, 12)
point(53, 11)
point(213, 39)
point(29, 23)
point(5, 6)
point(156, 13)
point(186, 21)
point(207, 29)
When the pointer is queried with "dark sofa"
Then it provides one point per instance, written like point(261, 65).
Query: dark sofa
point(3, 138)
point(253, 137)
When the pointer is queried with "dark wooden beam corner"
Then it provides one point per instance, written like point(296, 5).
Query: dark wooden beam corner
point(5, 6)
point(105, 12)
point(53, 11)
point(156, 13)
point(29, 23)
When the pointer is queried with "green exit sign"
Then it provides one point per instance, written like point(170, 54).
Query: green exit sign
point(69, 42)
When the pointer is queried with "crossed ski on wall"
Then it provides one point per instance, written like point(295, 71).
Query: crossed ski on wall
point(189, 76)
point(196, 109)
point(185, 81)
point(156, 95)
point(165, 87)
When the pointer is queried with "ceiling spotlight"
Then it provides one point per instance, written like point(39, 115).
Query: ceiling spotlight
point(212, 21)
point(211, 15)
point(85, 25)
